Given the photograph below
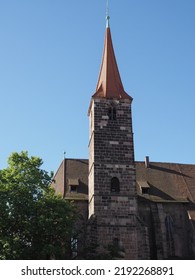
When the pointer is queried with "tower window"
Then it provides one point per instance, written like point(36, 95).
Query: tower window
point(116, 242)
point(115, 185)
point(112, 113)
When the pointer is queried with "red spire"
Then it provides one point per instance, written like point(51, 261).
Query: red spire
point(109, 83)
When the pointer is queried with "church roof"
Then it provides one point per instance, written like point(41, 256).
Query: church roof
point(166, 182)
point(109, 83)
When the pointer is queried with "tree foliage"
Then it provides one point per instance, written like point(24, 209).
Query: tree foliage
point(35, 223)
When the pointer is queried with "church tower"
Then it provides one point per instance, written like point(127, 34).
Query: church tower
point(112, 177)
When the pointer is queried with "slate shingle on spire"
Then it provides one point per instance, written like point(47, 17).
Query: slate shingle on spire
point(109, 83)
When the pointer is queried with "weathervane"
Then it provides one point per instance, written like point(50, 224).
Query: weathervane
point(107, 14)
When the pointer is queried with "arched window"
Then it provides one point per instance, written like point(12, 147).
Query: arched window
point(169, 235)
point(115, 185)
point(116, 242)
point(112, 113)
point(74, 247)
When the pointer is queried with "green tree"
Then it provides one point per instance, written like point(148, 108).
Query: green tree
point(35, 223)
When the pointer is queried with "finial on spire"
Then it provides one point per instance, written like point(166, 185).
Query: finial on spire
point(107, 14)
point(64, 153)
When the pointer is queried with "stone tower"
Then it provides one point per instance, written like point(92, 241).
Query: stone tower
point(112, 178)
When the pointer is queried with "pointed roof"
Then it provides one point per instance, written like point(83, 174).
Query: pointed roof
point(109, 83)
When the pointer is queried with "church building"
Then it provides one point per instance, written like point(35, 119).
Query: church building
point(145, 209)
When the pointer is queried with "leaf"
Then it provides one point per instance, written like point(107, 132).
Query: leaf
point(35, 223)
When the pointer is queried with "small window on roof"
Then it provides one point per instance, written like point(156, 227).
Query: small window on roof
point(73, 185)
point(145, 190)
point(144, 187)
point(73, 188)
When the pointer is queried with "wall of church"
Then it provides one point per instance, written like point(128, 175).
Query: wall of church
point(168, 227)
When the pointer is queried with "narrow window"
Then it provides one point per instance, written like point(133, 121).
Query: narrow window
point(116, 242)
point(74, 247)
point(169, 235)
point(112, 113)
point(115, 185)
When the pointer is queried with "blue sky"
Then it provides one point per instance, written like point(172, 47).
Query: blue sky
point(50, 56)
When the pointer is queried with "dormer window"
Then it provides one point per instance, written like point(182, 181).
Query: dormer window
point(144, 187)
point(112, 113)
point(73, 185)
point(73, 188)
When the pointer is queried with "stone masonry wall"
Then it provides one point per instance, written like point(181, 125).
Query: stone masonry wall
point(111, 155)
point(168, 240)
